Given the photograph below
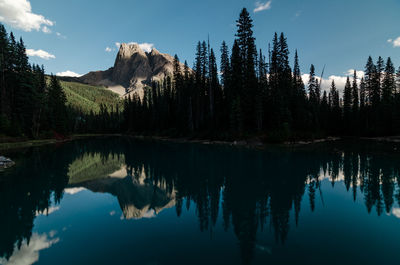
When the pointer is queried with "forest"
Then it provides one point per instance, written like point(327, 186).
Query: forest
point(249, 94)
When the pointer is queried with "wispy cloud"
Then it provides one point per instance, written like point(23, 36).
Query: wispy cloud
point(40, 53)
point(71, 74)
point(60, 35)
point(108, 49)
point(18, 14)
point(262, 6)
point(395, 42)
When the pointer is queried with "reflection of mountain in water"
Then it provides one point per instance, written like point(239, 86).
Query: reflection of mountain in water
point(248, 189)
point(137, 195)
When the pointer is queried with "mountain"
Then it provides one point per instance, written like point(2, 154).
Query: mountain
point(133, 70)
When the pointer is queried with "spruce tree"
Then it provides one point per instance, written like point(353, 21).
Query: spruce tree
point(354, 93)
point(388, 83)
point(56, 104)
point(388, 92)
point(347, 105)
point(236, 115)
point(248, 54)
point(370, 73)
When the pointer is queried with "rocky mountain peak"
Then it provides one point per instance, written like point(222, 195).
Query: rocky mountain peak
point(133, 69)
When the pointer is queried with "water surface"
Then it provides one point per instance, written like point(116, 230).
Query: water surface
point(121, 201)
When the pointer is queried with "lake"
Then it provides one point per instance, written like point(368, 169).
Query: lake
point(122, 201)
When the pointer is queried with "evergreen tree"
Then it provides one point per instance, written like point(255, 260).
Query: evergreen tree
point(236, 114)
point(389, 83)
point(347, 105)
point(388, 93)
point(370, 73)
point(248, 54)
point(362, 93)
point(355, 104)
point(56, 104)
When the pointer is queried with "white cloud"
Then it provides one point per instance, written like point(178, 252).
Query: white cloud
point(147, 47)
point(40, 53)
point(18, 14)
point(29, 253)
point(71, 190)
point(262, 6)
point(46, 30)
point(108, 49)
point(340, 81)
point(396, 42)
point(71, 74)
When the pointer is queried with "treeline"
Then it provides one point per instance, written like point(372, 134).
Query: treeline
point(29, 105)
point(251, 94)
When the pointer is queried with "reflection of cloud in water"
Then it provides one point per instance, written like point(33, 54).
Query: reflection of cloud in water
point(29, 253)
point(396, 212)
point(73, 190)
point(48, 211)
point(151, 213)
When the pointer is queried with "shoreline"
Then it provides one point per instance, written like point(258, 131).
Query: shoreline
point(5, 146)
point(249, 143)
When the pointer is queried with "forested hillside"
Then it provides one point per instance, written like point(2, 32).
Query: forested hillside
point(88, 98)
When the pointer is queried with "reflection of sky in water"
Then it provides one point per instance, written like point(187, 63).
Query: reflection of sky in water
point(29, 253)
point(243, 207)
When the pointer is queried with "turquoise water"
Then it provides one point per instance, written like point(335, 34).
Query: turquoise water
point(121, 201)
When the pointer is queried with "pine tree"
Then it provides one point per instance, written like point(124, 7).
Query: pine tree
point(388, 83)
point(398, 81)
point(388, 93)
point(56, 104)
point(370, 73)
point(347, 105)
point(312, 86)
point(355, 97)
point(248, 54)
point(236, 114)
point(4, 55)
point(362, 93)
point(355, 104)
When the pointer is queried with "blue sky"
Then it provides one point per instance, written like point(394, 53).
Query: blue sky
point(74, 34)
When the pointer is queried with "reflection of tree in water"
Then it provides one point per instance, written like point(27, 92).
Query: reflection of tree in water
point(27, 190)
point(255, 189)
point(262, 187)
point(30, 187)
